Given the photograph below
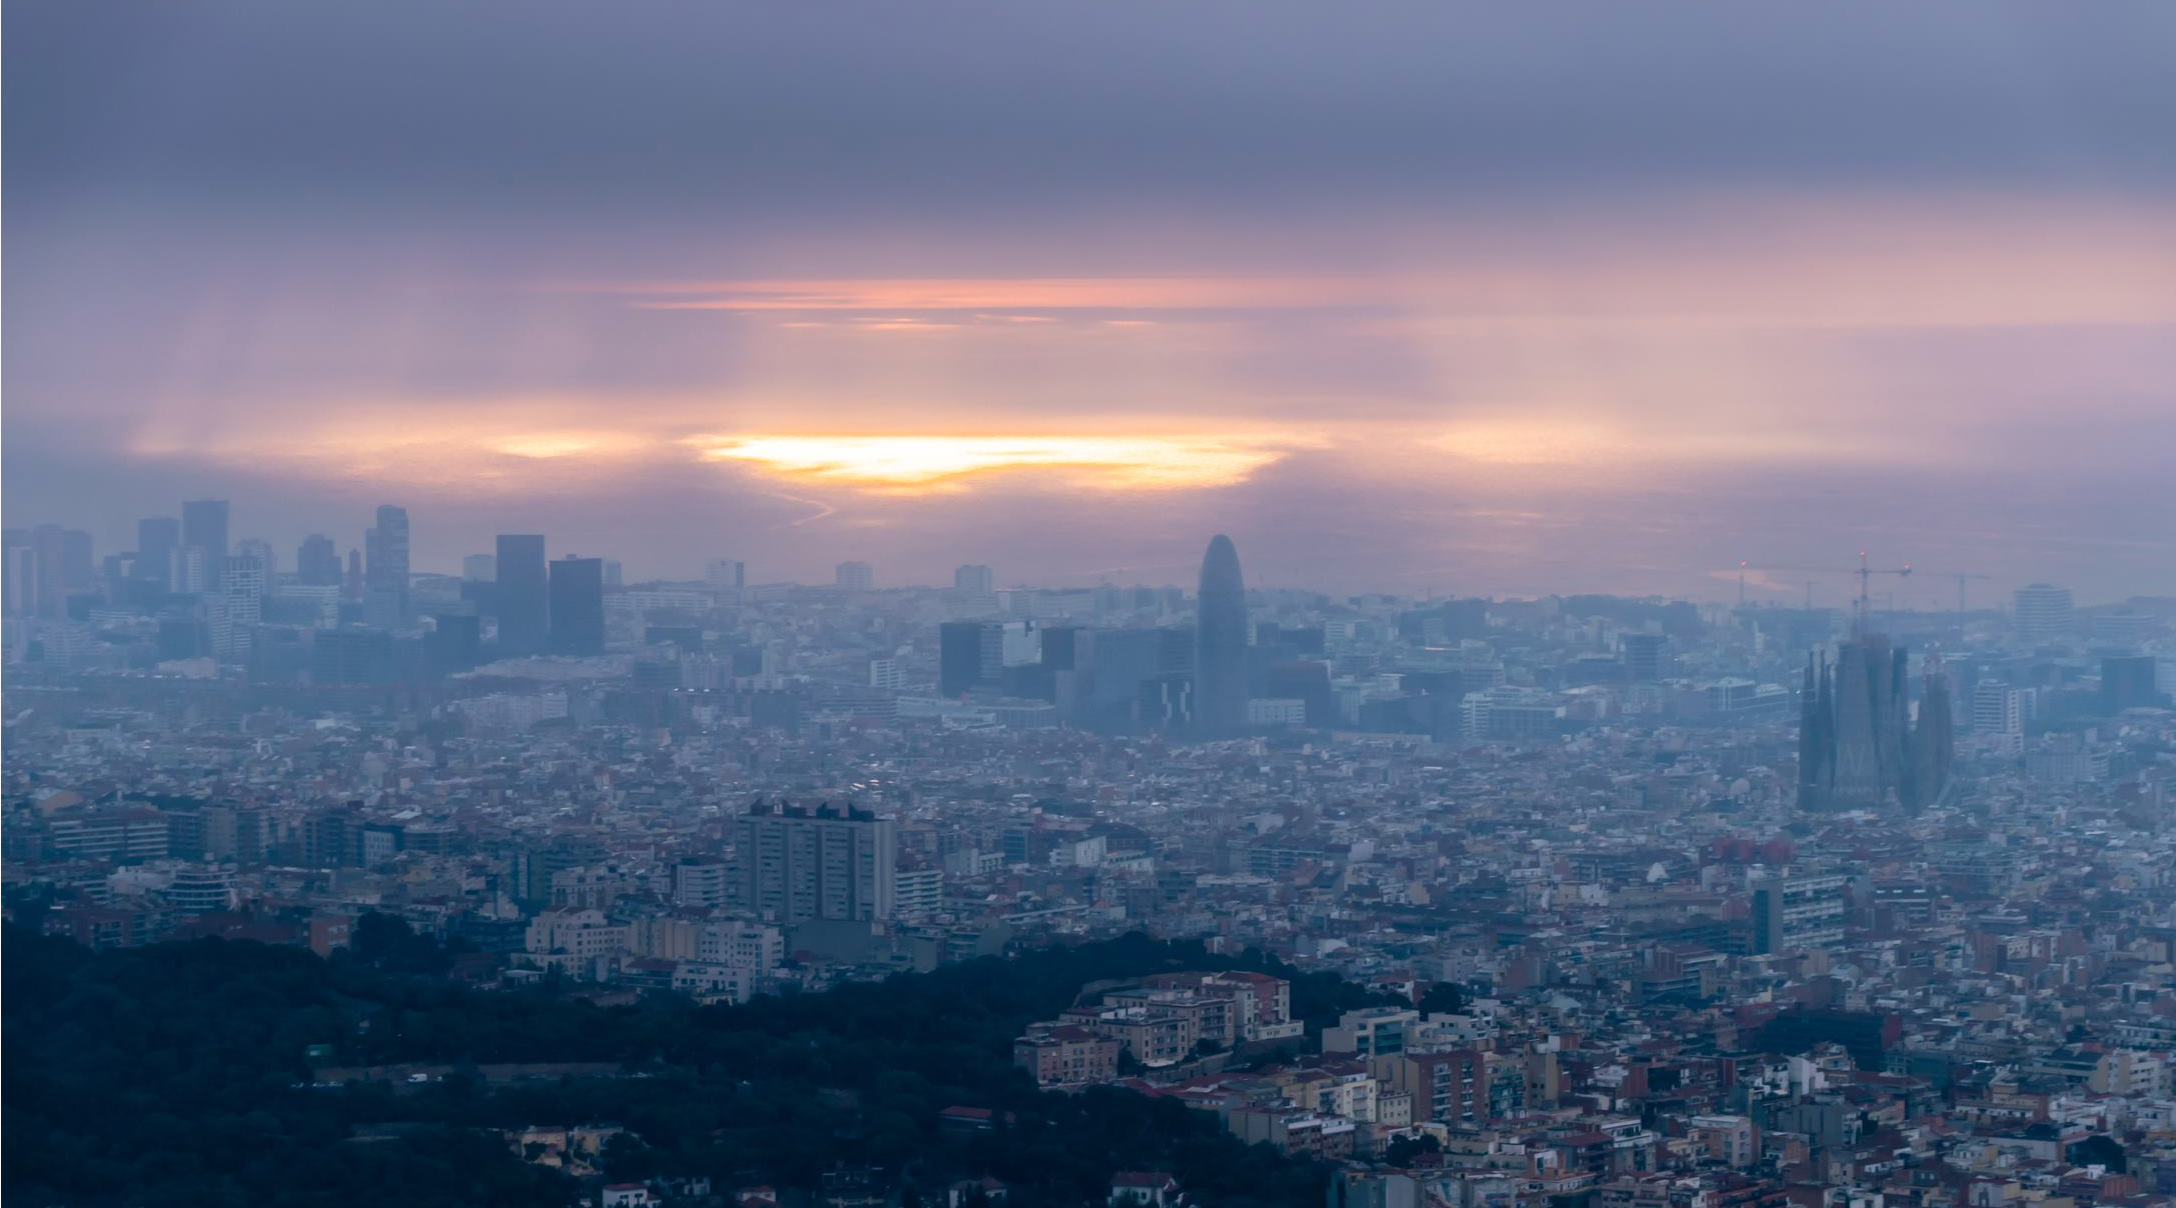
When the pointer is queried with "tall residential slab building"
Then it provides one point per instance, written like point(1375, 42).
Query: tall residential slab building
point(385, 569)
point(1220, 644)
point(2044, 612)
point(794, 864)
point(974, 580)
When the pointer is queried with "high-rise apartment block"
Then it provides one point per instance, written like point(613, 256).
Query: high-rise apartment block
point(2044, 612)
point(725, 574)
point(974, 580)
point(385, 569)
point(795, 864)
point(1795, 912)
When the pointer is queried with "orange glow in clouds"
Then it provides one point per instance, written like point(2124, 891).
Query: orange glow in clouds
point(918, 463)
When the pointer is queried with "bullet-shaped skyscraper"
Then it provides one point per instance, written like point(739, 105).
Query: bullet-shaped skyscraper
point(1220, 644)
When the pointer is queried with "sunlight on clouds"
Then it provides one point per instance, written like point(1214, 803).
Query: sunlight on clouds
point(919, 463)
point(561, 444)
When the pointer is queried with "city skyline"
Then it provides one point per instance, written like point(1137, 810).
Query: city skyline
point(1712, 302)
point(1938, 589)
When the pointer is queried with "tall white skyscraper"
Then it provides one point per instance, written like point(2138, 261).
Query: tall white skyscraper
point(856, 576)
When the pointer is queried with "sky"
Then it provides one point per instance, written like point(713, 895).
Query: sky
point(1421, 297)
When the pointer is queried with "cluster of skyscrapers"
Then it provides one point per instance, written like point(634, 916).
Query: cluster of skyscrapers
point(211, 593)
point(1196, 682)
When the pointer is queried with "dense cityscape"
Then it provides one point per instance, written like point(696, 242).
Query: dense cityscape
point(1635, 901)
point(1116, 604)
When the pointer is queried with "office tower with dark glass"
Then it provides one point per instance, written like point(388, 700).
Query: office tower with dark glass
point(577, 606)
point(1643, 656)
point(158, 545)
point(1220, 644)
point(963, 663)
point(523, 594)
point(204, 541)
point(317, 562)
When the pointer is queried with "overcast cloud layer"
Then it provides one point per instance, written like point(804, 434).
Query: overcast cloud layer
point(1465, 296)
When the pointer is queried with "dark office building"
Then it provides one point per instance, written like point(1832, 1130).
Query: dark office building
point(1117, 661)
point(158, 543)
point(184, 638)
point(1061, 646)
point(351, 656)
point(1643, 656)
point(204, 529)
point(1308, 682)
point(523, 594)
point(455, 643)
point(2126, 682)
point(49, 545)
point(577, 605)
point(79, 565)
point(960, 656)
point(317, 563)
point(1167, 702)
point(1220, 644)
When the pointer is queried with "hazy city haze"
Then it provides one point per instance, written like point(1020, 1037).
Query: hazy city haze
point(1072, 603)
point(1474, 297)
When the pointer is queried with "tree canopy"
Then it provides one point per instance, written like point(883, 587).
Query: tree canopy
point(181, 1074)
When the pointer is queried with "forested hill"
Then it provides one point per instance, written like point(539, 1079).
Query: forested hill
point(181, 1074)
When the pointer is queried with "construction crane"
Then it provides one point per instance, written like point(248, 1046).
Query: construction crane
point(1863, 570)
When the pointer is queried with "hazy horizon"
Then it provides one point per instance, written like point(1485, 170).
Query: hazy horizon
point(1452, 297)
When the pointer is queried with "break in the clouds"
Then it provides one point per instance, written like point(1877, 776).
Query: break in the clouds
point(1431, 294)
